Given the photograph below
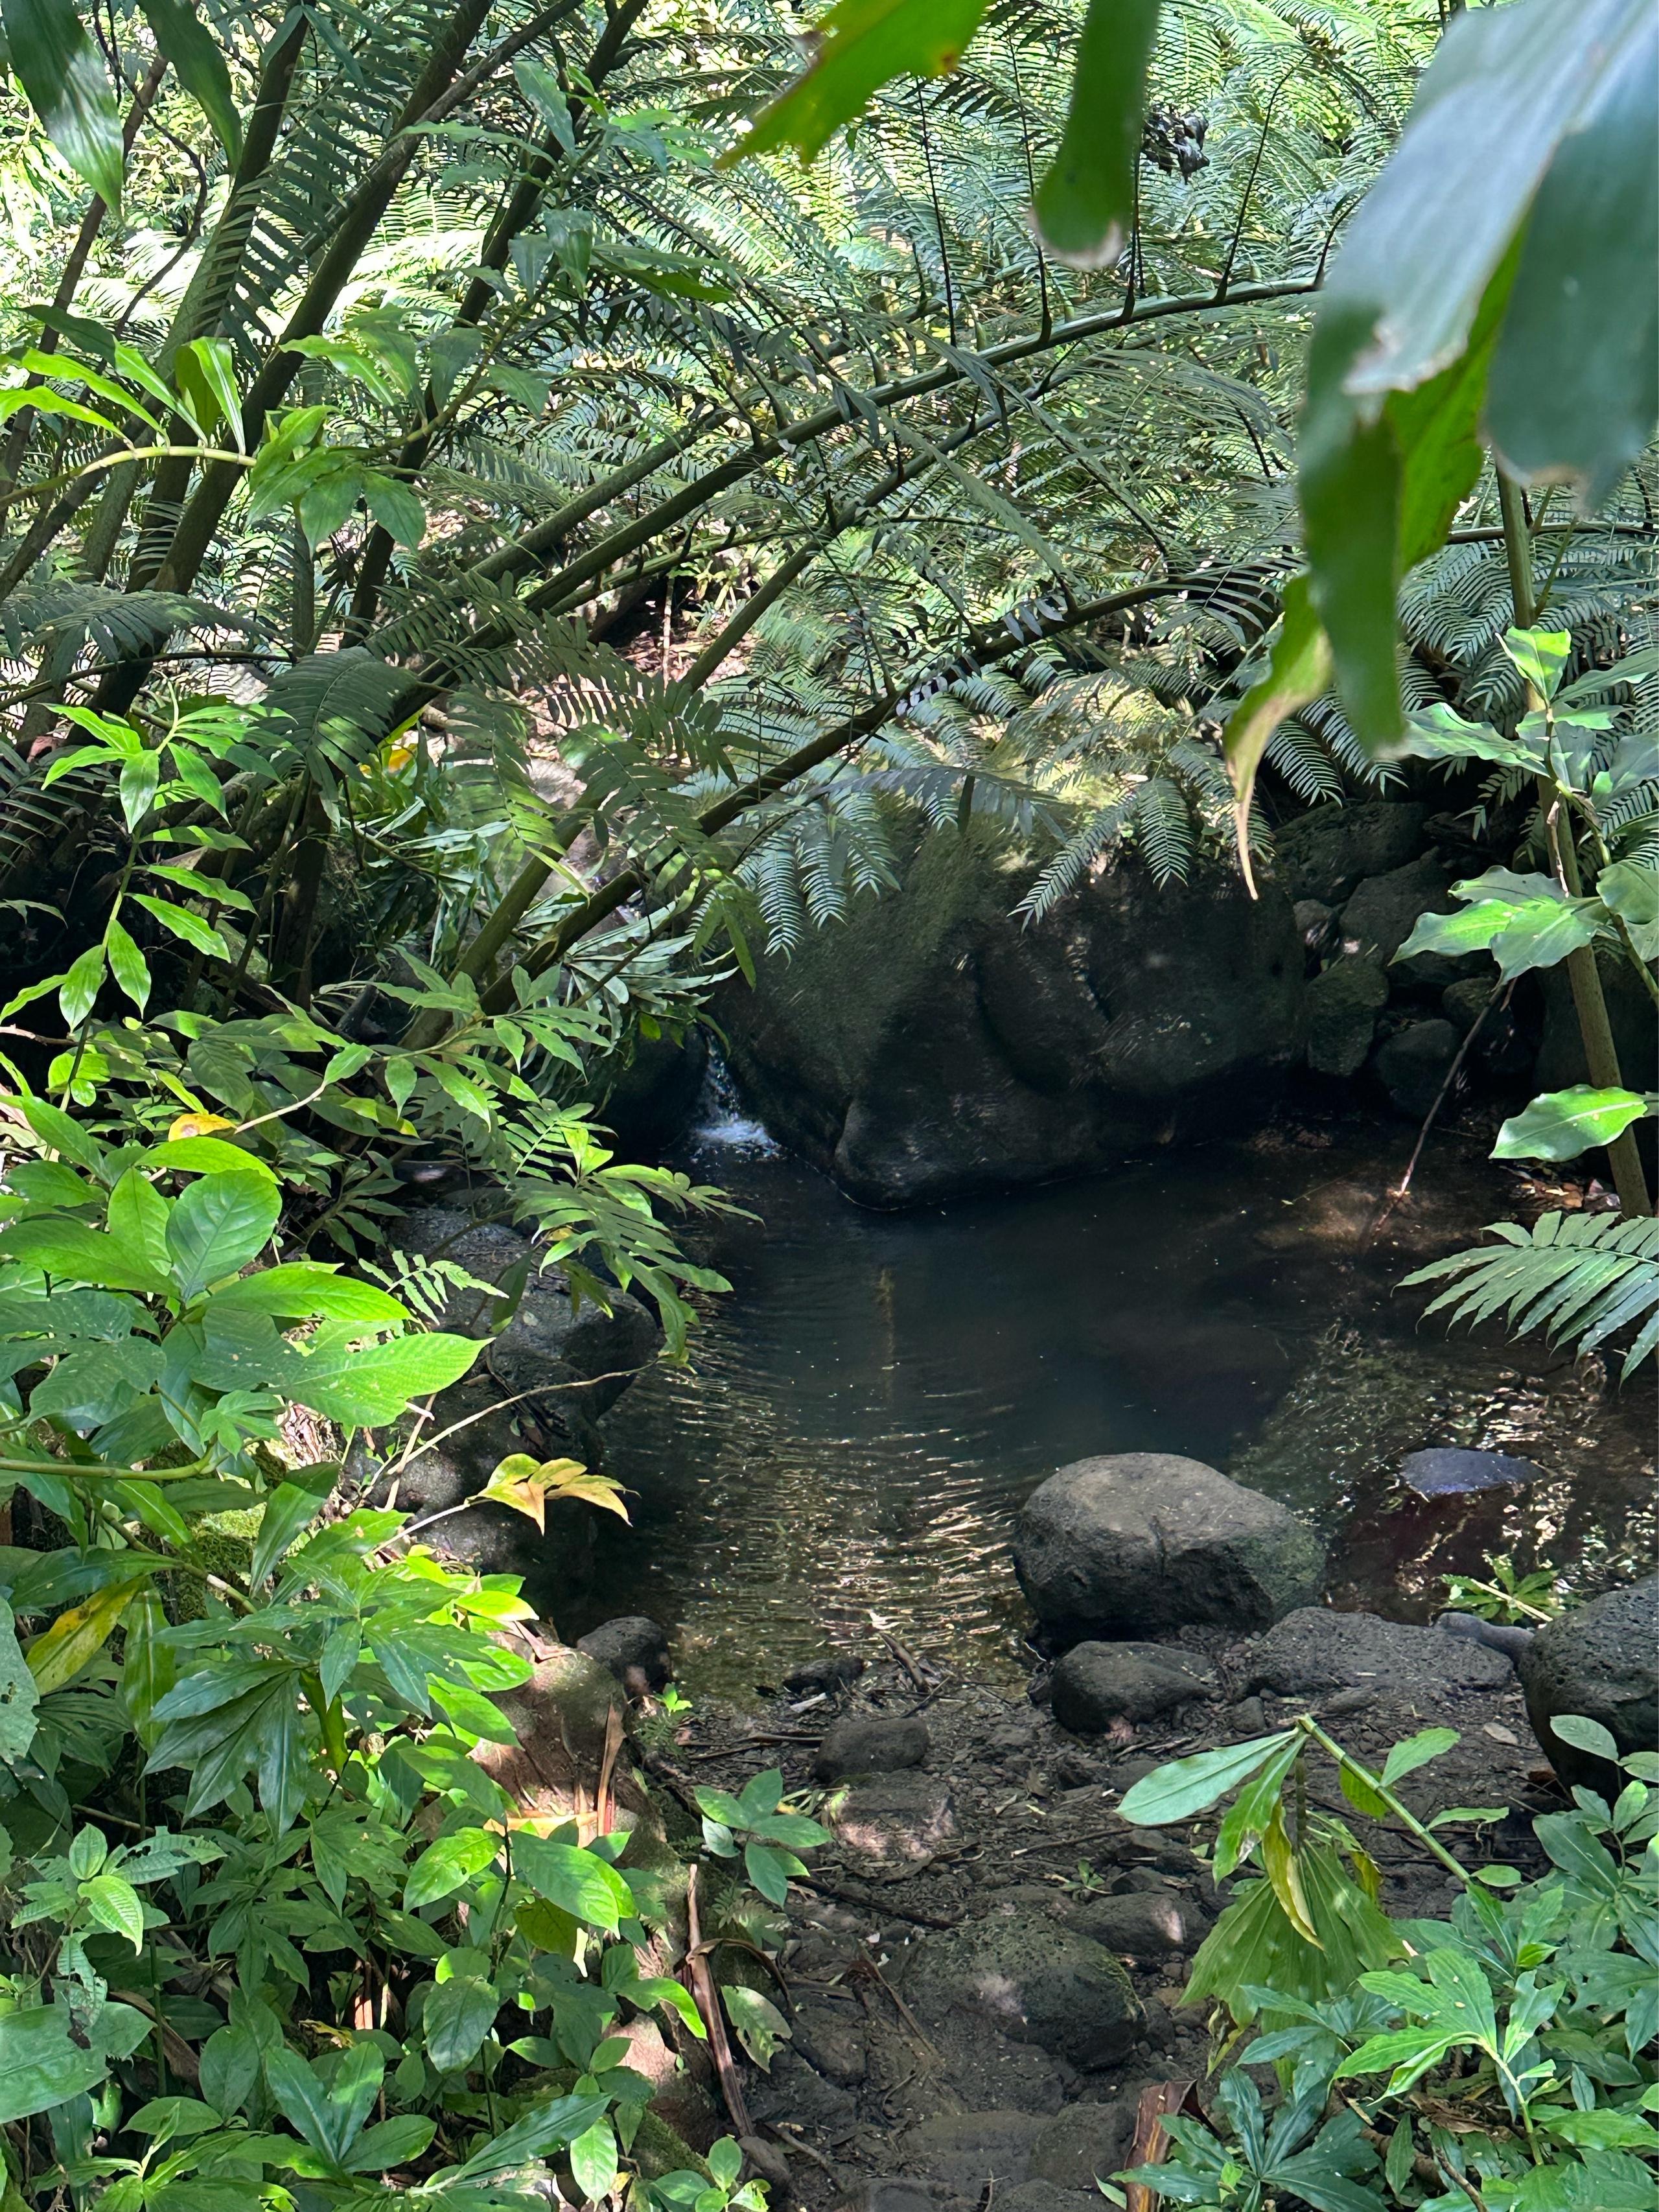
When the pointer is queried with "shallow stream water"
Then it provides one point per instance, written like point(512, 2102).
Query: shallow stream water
point(867, 1410)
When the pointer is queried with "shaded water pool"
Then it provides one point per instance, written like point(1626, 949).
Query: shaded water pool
point(865, 1413)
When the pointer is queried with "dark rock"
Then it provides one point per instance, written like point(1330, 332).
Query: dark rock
point(1325, 854)
point(897, 2193)
point(1314, 1652)
point(1506, 1033)
point(647, 1099)
point(1446, 1472)
point(1412, 1064)
point(962, 2151)
point(766, 2159)
point(548, 1359)
point(1096, 1683)
point(1145, 1539)
point(1047, 2197)
point(1600, 1660)
point(1032, 1980)
point(830, 2041)
point(935, 1044)
point(1344, 1002)
point(1314, 922)
point(834, 1671)
point(1249, 1718)
point(871, 1743)
point(632, 1640)
point(1497, 1636)
point(892, 1820)
point(1084, 2144)
point(1142, 1924)
point(1385, 908)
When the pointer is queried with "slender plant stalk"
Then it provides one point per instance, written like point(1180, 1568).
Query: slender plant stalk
point(1590, 999)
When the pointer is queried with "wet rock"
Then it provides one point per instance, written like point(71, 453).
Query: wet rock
point(1385, 909)
point(1600, 1660)
point(1314, 1652)
point(1084, 2144)
point(871, 1743)
point(647, 1098)
point(1031, 1979)
point(935, 1042)
point(1145, 1539)
point(1096, 1683)
point(1325, 854)
point(632, 1641)
point(962, 2151)
point(1140, 1925)
point(1446, 1472)
point(834, 1671)
point(1412, 1064)
point(887, 1820)
point(1344, 1002)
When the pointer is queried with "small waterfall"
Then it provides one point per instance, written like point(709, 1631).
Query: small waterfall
point(720, 1124)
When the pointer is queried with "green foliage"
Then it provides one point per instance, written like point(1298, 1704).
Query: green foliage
point(1583, 1277)
point(1501, 2057)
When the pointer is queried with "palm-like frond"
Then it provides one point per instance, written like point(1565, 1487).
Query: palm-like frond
point(1583, 1278)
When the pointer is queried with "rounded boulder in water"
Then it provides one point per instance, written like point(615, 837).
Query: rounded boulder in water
point(1151, 1541)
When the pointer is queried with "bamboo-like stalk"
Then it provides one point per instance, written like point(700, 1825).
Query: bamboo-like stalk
point(1589, 999)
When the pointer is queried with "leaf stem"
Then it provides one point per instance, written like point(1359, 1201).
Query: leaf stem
point(1374, 1781)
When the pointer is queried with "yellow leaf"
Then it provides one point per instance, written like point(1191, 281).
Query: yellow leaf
point(1279, 1858)
point(58, 1653)
point(197, 1125)
point(525, 1486)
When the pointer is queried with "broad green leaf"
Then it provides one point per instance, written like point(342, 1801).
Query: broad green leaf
point(202, 1155)
point(1086, 203)
point(391, 2142)
point(217, 1225)
point(543, 2129)
point(62, 1133)
point(1186, 1786)
point(579, 1881)
point(593, 2161)
point(448, 1865)
point(137, 1214)
point(859, 46)
point(89, 1388)
point(69, 1249)
point(395, 507)
point(200, 935)
point(200, 66)
point(81, 983)
point(368, 1386)
point(46, 2056)
point(127, 964)
point(1561, 1124)
point(58, 1653)
point(771, 1869)
point(1405, 1758)
point(457, 2015)
point(301, 1290)
point(759, 2026)
point(20, 1694)
point(1555, 405)
point(1541, 655)
point(1633, 893)
point(204, 371)
point(1298, 671)
point(49, 1183)
point(113, 1905)
point(292, 1506)
point(140, 779)
point(63, 73)
point(148, 1666)
point(1585, 1734)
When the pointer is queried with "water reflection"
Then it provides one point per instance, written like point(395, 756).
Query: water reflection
point(870, 1405)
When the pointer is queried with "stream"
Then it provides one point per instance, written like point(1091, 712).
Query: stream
point(863, 1413)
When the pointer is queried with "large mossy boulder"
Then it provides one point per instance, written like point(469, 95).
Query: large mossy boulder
point(1139, 1541)
point(1600, 1660)
point(936, 1043)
